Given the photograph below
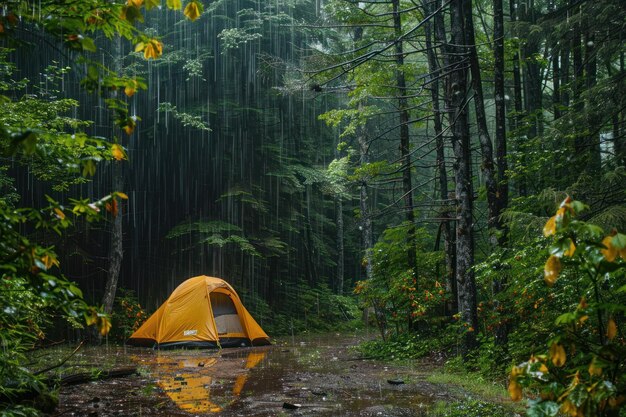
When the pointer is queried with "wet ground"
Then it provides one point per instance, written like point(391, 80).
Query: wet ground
point(314, 376)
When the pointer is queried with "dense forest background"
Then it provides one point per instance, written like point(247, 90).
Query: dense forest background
point(405, 157)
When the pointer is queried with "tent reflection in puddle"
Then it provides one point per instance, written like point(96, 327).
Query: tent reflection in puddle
point(254, 358)
point(191, 390)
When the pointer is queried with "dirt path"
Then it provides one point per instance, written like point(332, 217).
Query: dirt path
point(319, 376)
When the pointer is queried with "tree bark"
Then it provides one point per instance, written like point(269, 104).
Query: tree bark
point(116, 253)
point(457, 91)
point(405, 152)
point(486, 147)
point(435, 71)
point(340, 246)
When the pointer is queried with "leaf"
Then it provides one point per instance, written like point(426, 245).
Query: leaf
point(610, 253)
point(153, 49)
point(193, 10)
point(557, 355)
point(104, 325)
point(129, 125)
point(139, 47)
point(130, 88)
point(112, 207)
point(122, 195)
point(551, 270)
point(118, 152)
point(88, 44)
point(59, 213)
point(572, 248)
point(515, 390)
point(89, 168)
point(550, 227)
point(136, 3)
point(594, 369)
point(174, 4)
point(150, 4)
point(611, 329)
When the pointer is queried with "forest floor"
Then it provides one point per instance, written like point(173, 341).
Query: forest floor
point(321, 375)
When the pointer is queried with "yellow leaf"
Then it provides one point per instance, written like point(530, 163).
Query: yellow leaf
point(174, 4)
point(611, 329)
point(91, 317)
point(104, 325)
point(570, 251)
point(550, 227)
point(118, 152)
point(557, 355)
point(59, 213)
point(49, 261)
point(139, 47)
point(610, 253)
point(543, 368)
point(130, 88)
point(569, 408)
point(551, 270)
point(515, 390)
point(192, 11)
point(594, 369)
point(122, 195)
point(153, 49)
point(136, 3)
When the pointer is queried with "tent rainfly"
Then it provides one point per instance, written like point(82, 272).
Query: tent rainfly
point(204, 312)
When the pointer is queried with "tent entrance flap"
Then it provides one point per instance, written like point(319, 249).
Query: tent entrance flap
point(225, 314)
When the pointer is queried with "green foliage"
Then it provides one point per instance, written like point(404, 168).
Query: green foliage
point(127, 314)
point(411, 345)
point(213, 233)
point(187, 119)
point(305, 309)
point(469, 408)
point(399, 298)
point(582, 372)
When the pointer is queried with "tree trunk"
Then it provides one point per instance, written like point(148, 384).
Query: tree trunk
point(405, 152)
point(340, 246)
point(593, 141)
point(116, 250)
point(116, 253)
point(457, 92)
point(487, 165)
point(435, 71)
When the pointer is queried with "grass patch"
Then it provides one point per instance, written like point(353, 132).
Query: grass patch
point(470, 408)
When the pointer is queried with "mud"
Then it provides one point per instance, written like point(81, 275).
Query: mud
point(314, 376)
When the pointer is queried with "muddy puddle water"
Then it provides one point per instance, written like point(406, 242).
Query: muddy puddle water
point(306, 377)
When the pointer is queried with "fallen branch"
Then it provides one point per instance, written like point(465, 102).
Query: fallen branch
point(60, 363)
point(84, 377)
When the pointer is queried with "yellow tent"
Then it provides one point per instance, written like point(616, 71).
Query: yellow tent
point(202, 311)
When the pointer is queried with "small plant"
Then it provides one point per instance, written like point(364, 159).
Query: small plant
point(582, 373)
point(128, 314)
point(469, 408)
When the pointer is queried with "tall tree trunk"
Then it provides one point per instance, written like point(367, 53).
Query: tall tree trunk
point(340, 246)
point(516, 119)
point(116, 251)
point(457, 92)
point(487, 165)
point(501, 332)
point(405, 151)
point(618, 127)
point(593, 141)
point(435, 71)
point(367, 235)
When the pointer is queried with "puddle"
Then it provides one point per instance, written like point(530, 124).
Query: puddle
point(318, 376)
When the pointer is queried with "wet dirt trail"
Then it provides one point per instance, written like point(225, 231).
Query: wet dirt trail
point(317, 376)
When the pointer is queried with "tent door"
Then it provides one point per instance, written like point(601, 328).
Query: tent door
point(225, 314)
